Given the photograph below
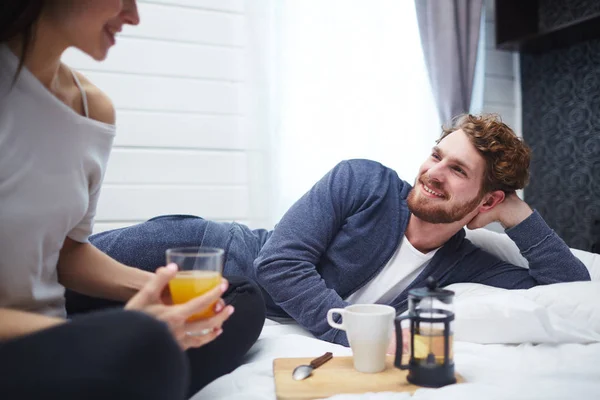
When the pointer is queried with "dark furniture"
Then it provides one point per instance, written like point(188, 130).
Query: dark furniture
point(522, 25)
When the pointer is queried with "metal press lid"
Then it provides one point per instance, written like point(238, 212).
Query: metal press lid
point(432, 289)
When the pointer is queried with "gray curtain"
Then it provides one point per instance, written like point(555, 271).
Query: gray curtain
point(449, 35)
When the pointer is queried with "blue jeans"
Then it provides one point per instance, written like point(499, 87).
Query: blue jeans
point(143, 246)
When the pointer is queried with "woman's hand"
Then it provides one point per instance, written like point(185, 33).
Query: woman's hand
point(150, 299)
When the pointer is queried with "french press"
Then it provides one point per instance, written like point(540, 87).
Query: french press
point(430, 315)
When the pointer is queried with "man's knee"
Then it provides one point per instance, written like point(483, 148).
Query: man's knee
point(143, 245)
point(247, 298)
point(242, 286)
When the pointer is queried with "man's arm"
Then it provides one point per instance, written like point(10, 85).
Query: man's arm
point(550, 259)
point(286, 266)
point(85, 269)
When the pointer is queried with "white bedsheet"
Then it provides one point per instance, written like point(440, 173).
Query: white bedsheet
point(526, 371)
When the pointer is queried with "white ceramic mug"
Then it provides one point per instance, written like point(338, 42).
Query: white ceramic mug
point(369, 328)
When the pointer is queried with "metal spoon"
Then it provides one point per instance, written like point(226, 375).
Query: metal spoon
point(304, 371)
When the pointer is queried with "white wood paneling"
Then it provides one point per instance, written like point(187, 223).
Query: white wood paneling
point(169, 94)
point(146, 57)
point(236, 6)
point(490, 35)
point(107, 226)
point(140, 166)
point(506, 112)
point(180, 130)
point(140, 202)
point(490, 9)
point(499, 63)
point(168, 22)
point(501, 86)
point(179, 82)
point(499, 91)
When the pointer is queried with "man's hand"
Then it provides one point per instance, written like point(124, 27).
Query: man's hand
point(509, 212)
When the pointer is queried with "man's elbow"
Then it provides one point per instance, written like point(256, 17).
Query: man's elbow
point(584, 275)
point(334, 335)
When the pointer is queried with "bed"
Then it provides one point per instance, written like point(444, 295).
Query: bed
point(541, 343)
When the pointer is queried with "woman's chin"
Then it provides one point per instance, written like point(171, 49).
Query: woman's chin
point(100, 55)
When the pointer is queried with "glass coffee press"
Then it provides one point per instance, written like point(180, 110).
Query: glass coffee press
point(430, 316)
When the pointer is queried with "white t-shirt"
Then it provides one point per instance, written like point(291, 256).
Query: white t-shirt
point(404, 266)
point(52, 161)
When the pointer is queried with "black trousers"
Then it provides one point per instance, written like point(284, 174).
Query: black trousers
point(104, 355)
point(120, 354)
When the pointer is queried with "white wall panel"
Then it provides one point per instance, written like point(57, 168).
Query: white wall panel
point(140, 202)
point(501, 86)
point(180, 130)
point(499, 63)
point(149, 57)
point(179, 82)
point(490, 35)
point(236, 6)
point(169, 94)
point(106, 226)
point(140, 166)
point(490, 9)
point(506, 112)
point(499, 91)
point(172, 23)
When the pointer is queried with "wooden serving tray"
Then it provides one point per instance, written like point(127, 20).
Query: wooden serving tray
point(338, 376)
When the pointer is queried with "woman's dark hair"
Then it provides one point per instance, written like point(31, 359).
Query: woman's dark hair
point(17, 19)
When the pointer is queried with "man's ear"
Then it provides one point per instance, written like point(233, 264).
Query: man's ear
point(492, 199)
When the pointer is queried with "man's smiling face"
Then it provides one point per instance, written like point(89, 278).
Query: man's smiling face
point(448, 188)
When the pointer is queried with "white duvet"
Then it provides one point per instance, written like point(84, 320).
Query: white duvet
point(541, 343)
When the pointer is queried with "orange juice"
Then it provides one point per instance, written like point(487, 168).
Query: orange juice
point(189, 284)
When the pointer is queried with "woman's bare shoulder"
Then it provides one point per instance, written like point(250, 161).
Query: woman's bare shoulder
point(100, 105)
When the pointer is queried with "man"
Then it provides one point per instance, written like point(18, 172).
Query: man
point(363, 235)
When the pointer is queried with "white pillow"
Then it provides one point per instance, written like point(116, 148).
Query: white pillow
point(499, 244)
point(558, 313)
point(591, 261)
point(502, 246)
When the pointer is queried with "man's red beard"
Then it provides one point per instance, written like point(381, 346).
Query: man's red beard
point(427, 210)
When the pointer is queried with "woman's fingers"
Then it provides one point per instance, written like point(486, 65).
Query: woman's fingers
point(193, 341)
point(215, 321)
point(192, 334)
point(198, 333)
point(219, 306)
point(153, 289)
point(201, 303)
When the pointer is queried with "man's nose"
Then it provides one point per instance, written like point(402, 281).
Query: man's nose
point(436, 173)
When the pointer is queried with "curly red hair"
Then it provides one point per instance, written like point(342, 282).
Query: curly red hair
point(506, 156)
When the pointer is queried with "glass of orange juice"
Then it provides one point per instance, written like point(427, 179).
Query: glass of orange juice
point(199, 270)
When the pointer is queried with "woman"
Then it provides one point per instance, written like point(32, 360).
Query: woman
point(56, 131)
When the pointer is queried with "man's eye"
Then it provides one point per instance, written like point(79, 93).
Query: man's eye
point(460, 170)
point(435, 155)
